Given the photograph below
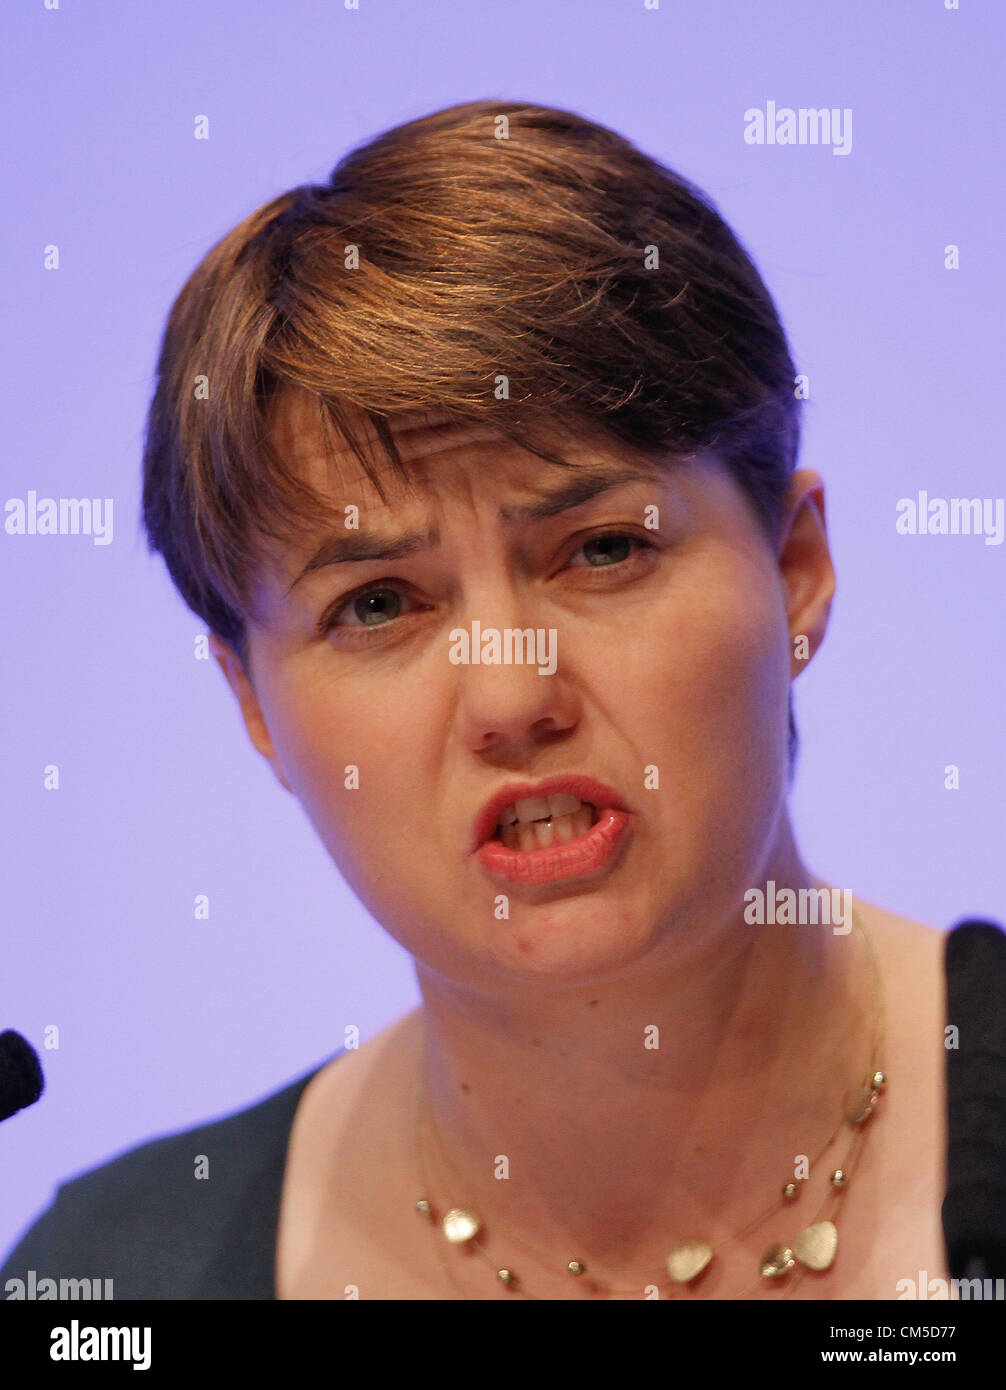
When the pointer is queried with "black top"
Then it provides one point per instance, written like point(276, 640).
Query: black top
point(147, 1223)
point(144, 1220)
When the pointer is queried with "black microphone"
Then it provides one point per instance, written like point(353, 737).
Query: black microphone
point(974, 1207)
point(21, 1079)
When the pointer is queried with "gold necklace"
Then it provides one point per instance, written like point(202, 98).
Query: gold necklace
point(813, 1249)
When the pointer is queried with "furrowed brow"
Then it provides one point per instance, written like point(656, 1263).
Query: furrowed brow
point(357, 547)
point(583, 488)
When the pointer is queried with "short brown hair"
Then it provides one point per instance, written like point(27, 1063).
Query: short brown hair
point(494, 240)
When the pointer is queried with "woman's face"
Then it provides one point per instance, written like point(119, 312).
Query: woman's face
point(668, 621)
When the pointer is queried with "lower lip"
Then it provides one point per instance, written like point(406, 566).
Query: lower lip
point(591, 852)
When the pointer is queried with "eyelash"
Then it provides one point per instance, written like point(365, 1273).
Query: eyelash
point(328, 621)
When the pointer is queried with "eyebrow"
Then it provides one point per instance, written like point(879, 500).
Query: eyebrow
point(357, 547)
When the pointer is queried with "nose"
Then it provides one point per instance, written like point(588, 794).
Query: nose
point(512, 693)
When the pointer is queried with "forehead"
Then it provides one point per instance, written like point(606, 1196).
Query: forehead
point(438, 452)
point(441, 457)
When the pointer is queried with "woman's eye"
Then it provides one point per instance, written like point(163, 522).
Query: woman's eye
point(611, 548)
point(370, 608)
point(380, 605)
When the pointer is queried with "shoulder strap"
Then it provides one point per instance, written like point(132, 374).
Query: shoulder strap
point(974, 1207)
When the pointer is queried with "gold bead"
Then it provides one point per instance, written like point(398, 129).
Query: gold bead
point(460, 1225)
point(790, 1191)
point(777, 1259)
point(839, 1177)
point(878, 1080)
point(424, 1209)
point(576, 1267)
point(505, 1276)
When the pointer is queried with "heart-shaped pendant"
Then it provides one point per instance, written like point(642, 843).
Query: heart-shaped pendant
point(777, 1260)
point(815, 1247)
point(860, 1104)
point(687, 1260)
point(459, 1225)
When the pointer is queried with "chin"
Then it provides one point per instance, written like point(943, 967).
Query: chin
point(569, 940)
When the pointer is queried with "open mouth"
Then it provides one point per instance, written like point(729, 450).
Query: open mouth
point(543, 821)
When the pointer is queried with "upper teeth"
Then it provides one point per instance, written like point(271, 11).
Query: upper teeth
point(540, 808)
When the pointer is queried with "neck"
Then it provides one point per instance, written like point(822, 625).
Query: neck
point(666, 1104)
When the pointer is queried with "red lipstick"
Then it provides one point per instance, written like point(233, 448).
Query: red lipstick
point(588, 853)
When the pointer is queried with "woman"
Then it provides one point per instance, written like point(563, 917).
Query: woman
point(479, 463)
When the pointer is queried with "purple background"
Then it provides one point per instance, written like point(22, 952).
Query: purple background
point(165, 1020)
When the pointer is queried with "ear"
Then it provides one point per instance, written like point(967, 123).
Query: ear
point(244, 691)
point(805, 565)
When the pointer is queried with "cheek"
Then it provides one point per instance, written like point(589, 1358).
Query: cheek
point(351, 753)
point(740, 663)
point(359, 762)
point(705, 692)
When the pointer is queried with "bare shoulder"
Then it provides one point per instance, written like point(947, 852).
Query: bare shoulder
point(345, 1163)
point(904, 1158)
point(354, 1093)
point(910, 955)
point(910, 952)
